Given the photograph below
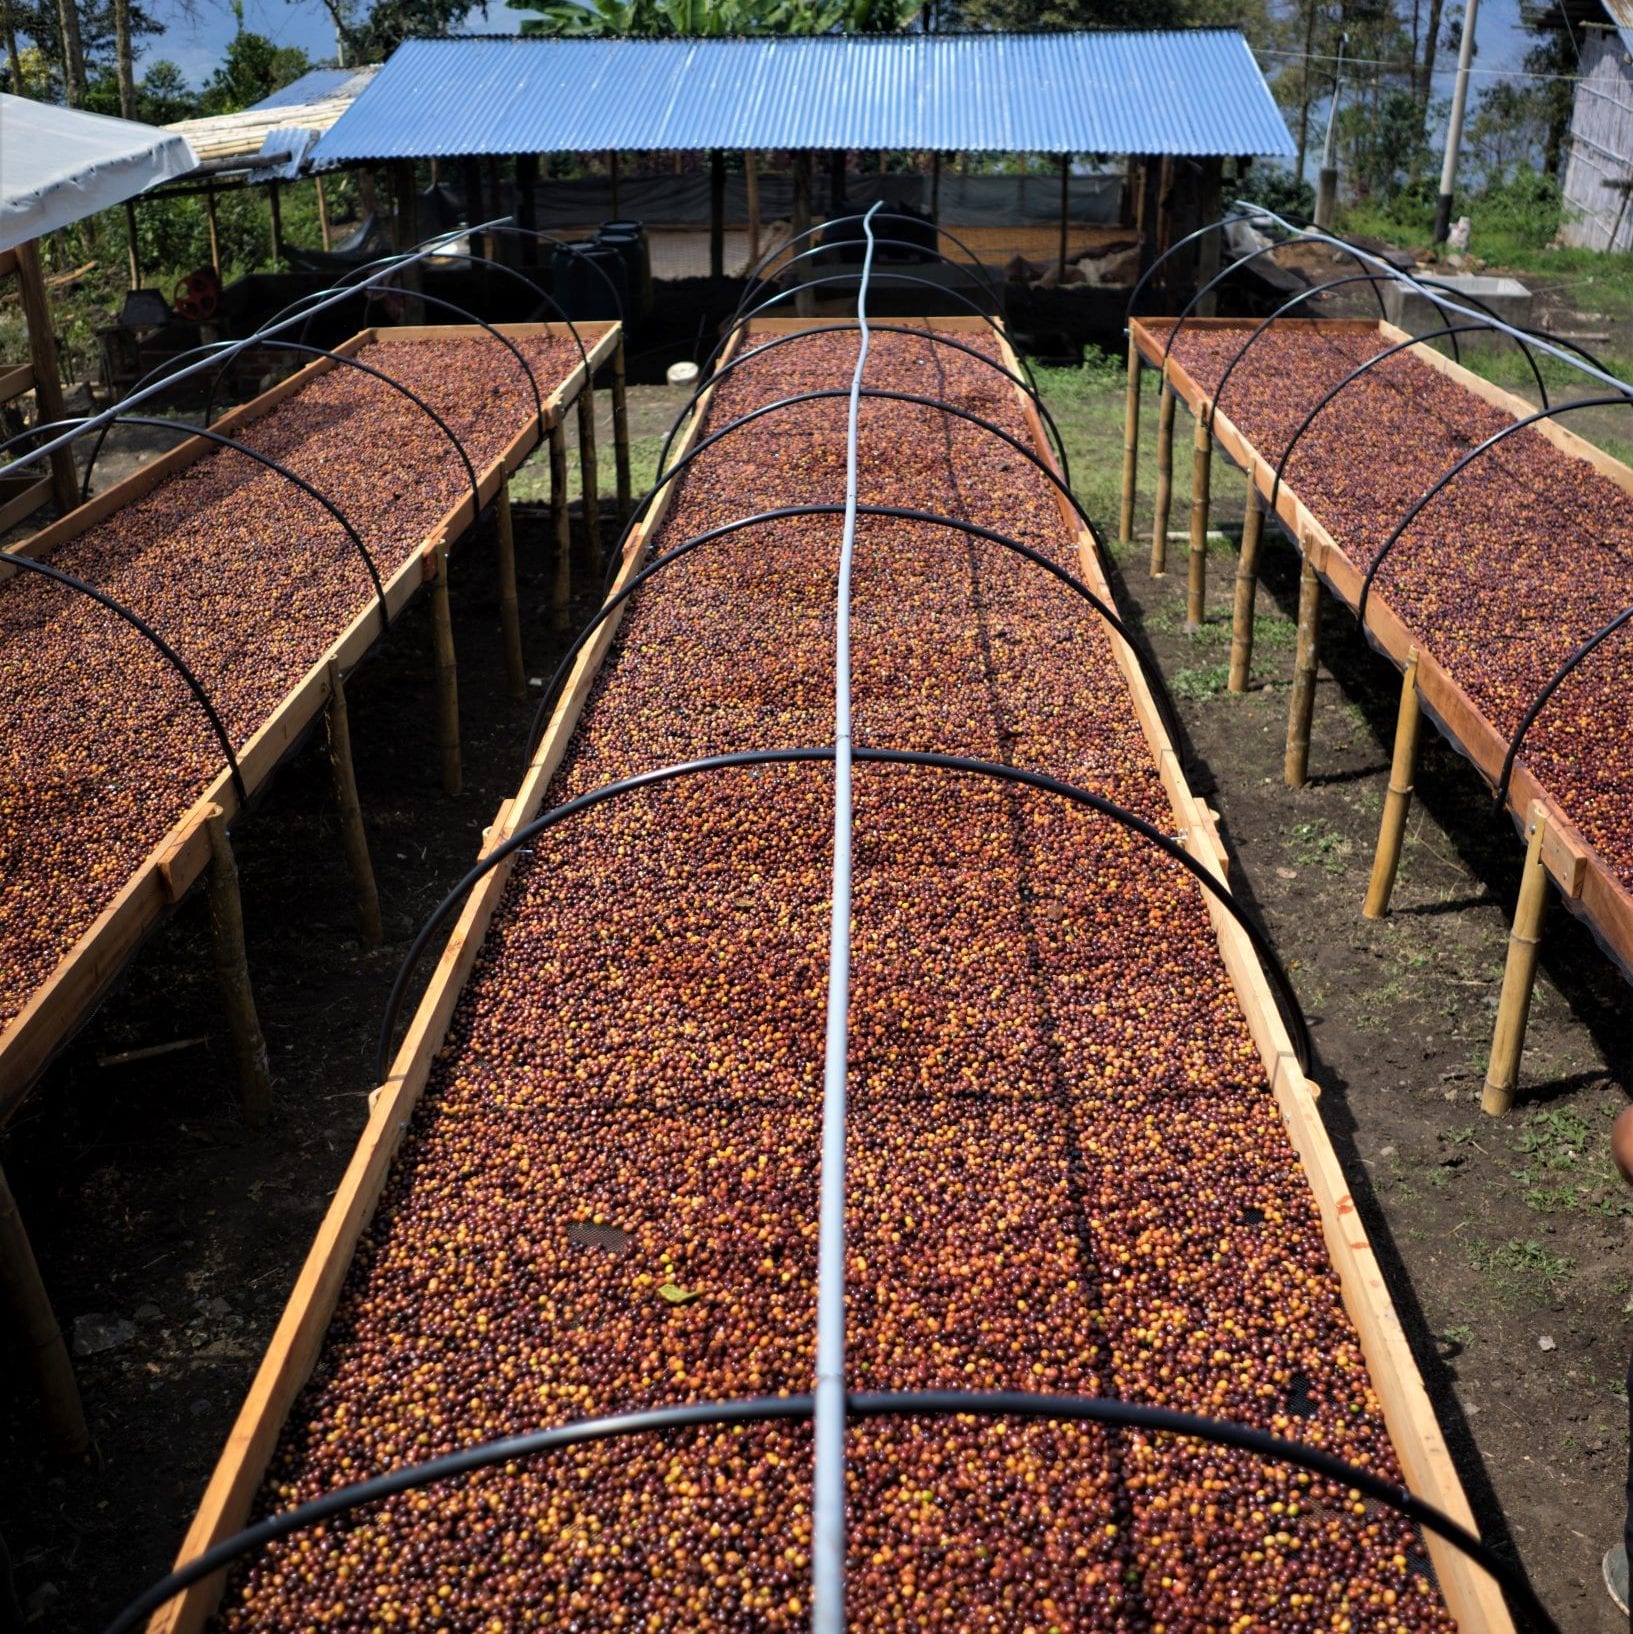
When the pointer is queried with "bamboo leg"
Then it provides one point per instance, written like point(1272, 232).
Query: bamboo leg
point(232, 972)
point(1131, 446)
point(620, 432)
point(561, 606)
point(1398, 802)
point(510, 611)
point(442, 642)
point(1166, 402)
point(1301, 707)
point(1247, 590)
point(1196, 577)
point(1519, 975)
point(29, 1316)
point(589, 481)
point(353, 836)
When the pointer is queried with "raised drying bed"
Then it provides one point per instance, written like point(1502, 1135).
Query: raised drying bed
point(1493, 585)
point(1082, 1154)
point(113, 771)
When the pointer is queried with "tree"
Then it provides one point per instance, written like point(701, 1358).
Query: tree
point(706, 19)
point(254, 67)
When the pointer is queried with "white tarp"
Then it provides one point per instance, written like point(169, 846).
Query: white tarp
point(59, 165)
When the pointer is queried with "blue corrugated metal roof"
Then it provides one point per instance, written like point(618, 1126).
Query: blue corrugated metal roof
point(1194, 92)
point(318, 85)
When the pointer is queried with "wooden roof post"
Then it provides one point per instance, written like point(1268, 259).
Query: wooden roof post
point(42, 354)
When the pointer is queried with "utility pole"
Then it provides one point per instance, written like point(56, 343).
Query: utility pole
point(1304, 90)
point(1326, 191)
point(1454, 131)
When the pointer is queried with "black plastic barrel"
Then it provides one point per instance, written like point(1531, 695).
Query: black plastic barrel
point(581, 289)
point(630, 240)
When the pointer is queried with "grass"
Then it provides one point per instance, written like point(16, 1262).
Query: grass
point(1522, 1272)
point(1195, 684)
point(1316, 844)
point(1567, 1164)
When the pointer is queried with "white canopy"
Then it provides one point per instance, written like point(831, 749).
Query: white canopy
point(59, 165)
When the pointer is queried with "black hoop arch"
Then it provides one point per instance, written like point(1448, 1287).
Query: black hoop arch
point(1033, 395)
point(826, 395)
point(1462, 465)
point(1148, 666)
point(1281, 985)
point(861, 1405)
point(166, 651)
point(210, 435)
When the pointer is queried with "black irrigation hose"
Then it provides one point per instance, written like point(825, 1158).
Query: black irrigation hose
point(1219, 226)
point(977, 265)
point(1236, 266)
point(870, 1404)
point(1620, 400)
point(1374, 278)
point(1601, 634)
point(1287, 999)
point(1034, 396)
point(29, 565)
point(210, 435)
point(850, 278)
point(1355, 374)
point(1148, 666)
point(833, 392)
point(887, 243)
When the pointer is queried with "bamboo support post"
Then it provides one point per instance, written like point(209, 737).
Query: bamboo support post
point(353, 836)
point(1131, 445)
point(1398, 801)
point(1301, 706)
point(1519, 974)
point(47, 367)
point(510, 609)
point(442, 642)
point(1196, 575)
point(232, 972)
point(215, 232)
point(323, 219)
point(589, 477)
point(1247, 591)
point(1166, 403)
point(751, 177)
point(28, 1315)
point(620, 431)
point(561, 604)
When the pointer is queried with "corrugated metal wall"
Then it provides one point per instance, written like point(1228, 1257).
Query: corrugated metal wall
point(1599, 217)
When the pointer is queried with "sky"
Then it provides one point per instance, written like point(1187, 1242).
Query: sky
point(196, 44)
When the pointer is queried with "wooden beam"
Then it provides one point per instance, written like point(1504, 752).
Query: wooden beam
point(717, 215)
point(1131, 446)
point(1301, 705)
point(751, 175)
point(447, 673)
point(1519, 973)
point(232, 973)
point(32, 1322)
point(133, 254)
point(1247, 591)
point(323, 220)
point(353, 836)
point(589, 476)
point(561, 601)
point(1196, 577)
point(804, 299)
point(1065, 211)
point(275, 210)
point(620, 431)
point(1398, 800)
point(1167, 401)
point(510, 613)
point(215, 236)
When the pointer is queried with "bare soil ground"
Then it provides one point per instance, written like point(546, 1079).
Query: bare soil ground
point(150, 1203)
